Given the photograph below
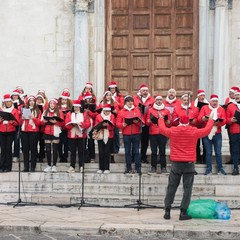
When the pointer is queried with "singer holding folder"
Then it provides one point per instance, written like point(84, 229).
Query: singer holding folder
point(131, 133)
point(9, 120)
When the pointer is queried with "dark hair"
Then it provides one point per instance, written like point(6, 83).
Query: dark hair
point(128, 99)
point(117, 91)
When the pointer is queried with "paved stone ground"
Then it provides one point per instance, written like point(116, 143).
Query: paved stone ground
point(110, 223)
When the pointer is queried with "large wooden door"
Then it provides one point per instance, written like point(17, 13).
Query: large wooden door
point(153, 42)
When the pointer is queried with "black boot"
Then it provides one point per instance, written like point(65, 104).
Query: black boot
point(167, 215)
point(229, 162)
point(183, 215)
point(112, 159)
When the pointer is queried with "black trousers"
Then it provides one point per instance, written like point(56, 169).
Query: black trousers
point(63, 145)
point(158, 141)
point(178, 170)
point(41, 153)
point(91, 148)
point(29, 142)
point(79, 145)
point(144, 143)
point(104, 153)
point(6, 140)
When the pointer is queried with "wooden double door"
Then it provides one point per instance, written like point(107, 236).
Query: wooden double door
point(153, 42)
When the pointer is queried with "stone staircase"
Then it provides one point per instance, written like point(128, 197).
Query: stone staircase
point(114, 189)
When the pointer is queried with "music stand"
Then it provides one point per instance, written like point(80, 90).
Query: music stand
point(83, 203)
point(19, 202)
point(140, 205)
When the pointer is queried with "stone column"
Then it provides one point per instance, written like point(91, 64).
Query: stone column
point(81, 46)
point(221, 51)
point(99, 61)
point(204, 45)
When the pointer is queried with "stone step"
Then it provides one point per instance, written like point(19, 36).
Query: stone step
point(68, 200)
point(113, 178)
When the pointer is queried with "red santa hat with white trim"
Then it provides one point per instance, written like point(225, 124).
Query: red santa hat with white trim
point(87, 95)
point(6, 98)
point(76, 103)
point(89, 85)
point(237, 92)
point(200, 92)
point(213, 97)
point(112, 85)
point(234, 89)
point(54, 100)
point(15, 92)
point(143, 87)
point(65, 95)
point(158, 97)
point(106, 107)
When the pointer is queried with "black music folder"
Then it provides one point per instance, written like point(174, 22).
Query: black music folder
point(6, 116)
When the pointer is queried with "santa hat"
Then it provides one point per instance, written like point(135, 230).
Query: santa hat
point(112, 85)
point(213, 97)
point(54, 100)
point(76, 103)
point(15, 92)
point(89, 85)
point(200, 92)
point(184, 120)
point(39, 96)
point(19, 88)
point(234, 89)
point(41, 91)
point(184, 95)
point(128, 98)
point(158, 97)
point(31, 97)
point(106, 107)
point(65, 95)
point(6, 98)
point(143, 87)
point(87, 95)
point(105, 93)
point(237, 92)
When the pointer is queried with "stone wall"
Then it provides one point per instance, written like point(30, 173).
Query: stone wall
point(235, 44)
point(36, 45)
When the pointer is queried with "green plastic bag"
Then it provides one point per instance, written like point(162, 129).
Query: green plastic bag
point(203, 208)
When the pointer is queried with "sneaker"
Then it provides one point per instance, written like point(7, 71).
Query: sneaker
point(222, 172)
point(127, 171)
point(164, 170)
point(152, 171)
point(48, 169)
point(92, 161)
point(107, 171)
point(208, 172)
point(15, 159)
point(235, 172)
point(71, 170)
point(99, 171)
point(54, 169)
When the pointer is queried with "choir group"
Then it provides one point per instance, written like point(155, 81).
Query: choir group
point(59, 125)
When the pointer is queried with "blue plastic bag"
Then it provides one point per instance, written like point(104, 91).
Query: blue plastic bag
point(223, 211)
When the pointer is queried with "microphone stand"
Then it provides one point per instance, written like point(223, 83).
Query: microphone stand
point(140, 205)
point(83, 203)
point(19, 202)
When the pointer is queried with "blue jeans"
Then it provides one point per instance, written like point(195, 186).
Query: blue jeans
point(235, 142)
point(216, 141)
point(131, 143)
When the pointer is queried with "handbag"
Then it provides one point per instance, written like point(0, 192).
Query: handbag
point(98, 135)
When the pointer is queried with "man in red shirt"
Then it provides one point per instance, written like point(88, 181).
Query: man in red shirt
point(183, 140)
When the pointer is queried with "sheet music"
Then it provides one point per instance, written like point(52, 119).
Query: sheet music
point(26, 112)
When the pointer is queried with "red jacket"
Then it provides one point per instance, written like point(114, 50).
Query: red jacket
point(205, 111)
point(31, 125)
point(148, 103)
point(110, 128)
point(120, 100)
point(179, 111)
point(233, 127)
point(75, 132)
point(49, 129)
point(129, 129)
point(183, 140)
point(11, 125)
point(154, 128)
point(171, 106)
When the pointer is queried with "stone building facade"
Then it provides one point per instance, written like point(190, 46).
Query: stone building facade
point(53, 44)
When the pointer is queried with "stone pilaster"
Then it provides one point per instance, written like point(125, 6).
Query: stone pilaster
point(221, 50)
point(81, 46)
